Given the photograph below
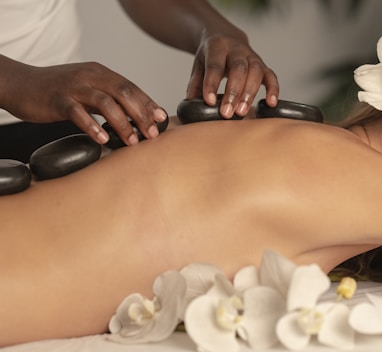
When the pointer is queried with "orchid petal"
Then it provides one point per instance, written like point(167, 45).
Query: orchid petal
point(122, 320)
point(201, 326)
point(369, 77)
point(290, 334)
point(170, 288)
point(126, 337)
point(263, 308)
point(336, 331)
point(308, 283)
point(376, 301)
point(199, 278)
point(276, 271)
point(222, 287)
point(365, 318)
point(373, 99)
point(162, 312)
point(115, 325)
point(246, 278)
point(379, 49)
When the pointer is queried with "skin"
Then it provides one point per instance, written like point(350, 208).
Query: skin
point(74, 91)
point(310, 192)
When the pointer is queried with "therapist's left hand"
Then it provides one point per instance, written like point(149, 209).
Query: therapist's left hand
point(230, 56)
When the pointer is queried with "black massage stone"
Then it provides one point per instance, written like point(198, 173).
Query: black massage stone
point(290, 110)
point(15, 176)
point(115, 142)
point(196, 110)
point(64, 156)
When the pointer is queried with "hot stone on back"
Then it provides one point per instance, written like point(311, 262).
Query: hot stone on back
point(64, 156)
point(15, 176)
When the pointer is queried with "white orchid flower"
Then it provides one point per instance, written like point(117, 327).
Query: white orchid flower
point(366, 317)
point(276, 271)
point(199, 279)
point(141, 320)
point(307, 318)
point(213, 320)
point(369, 78)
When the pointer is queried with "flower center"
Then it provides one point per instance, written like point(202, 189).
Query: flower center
point(229, 312)
point(143, 311)
point(310, 321)
point(346, 288)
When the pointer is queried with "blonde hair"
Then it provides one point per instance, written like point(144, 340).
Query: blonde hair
point(360, 114)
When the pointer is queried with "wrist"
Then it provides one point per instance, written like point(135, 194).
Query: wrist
point(13, 74)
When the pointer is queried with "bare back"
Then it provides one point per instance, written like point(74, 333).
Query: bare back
point(218, 192)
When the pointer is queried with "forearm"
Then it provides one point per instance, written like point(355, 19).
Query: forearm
point(10, 73)
point(179, 23)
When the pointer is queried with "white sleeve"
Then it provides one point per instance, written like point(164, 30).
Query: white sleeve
point(40, 33)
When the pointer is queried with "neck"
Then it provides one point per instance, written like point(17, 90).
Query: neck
point(370, 132)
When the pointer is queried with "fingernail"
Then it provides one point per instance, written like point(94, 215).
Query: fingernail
point(102, 137)
point(160, 115)
point(242, 109)
point(133, 139)
point(153, 131)
point(212, 98)
point(273, 100)
point(228, 110)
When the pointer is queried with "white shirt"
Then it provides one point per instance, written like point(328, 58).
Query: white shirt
point(39, 33)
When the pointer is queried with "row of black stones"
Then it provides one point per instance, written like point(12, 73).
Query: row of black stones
point(72, 153)
point(55, 159)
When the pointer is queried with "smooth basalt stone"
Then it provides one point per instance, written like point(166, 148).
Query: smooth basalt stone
point(15, 176)
point(116, 142)
point(290, 110)
point(196, 110)
point(64, 156)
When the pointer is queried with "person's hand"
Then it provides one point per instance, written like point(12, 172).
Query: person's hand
point(74, 91)
point(230, 56)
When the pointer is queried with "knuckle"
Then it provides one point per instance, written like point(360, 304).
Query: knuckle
point(104, 101)
point(240, 65)
point(216, 67)
point(125, 89)
point(256, 65)
point(215, 40)
point(71, 109)
point(233, 94)
point(144, 119)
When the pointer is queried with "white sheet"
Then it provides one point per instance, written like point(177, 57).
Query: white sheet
point(179, 342)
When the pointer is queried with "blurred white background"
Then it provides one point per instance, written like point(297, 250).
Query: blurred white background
point(297, 40)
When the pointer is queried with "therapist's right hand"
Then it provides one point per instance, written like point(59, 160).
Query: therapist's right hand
point(74, 92)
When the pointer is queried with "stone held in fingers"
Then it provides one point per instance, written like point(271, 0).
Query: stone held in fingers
point(196, 110)
point(15, 176)
point(64, 156)
point(115, 142)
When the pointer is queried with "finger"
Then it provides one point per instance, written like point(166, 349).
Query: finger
point(271, 84)
point(122, 102)
point(215, 69)
point(81, 118)
point(105, 105)
point(195, 85)
point(254, 79)
point(140, 108)
point(237, 78)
